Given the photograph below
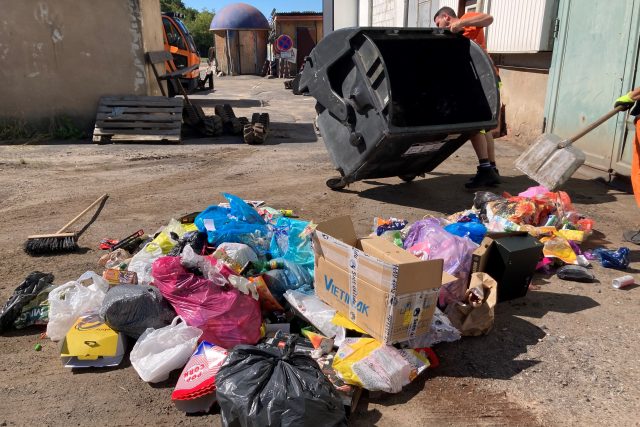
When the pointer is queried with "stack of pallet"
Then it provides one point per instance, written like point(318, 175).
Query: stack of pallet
point(138, 119)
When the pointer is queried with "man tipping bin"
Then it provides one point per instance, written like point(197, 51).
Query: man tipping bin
point(472, 25)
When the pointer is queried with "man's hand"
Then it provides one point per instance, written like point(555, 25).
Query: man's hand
point(455, 27)
point(625, 102)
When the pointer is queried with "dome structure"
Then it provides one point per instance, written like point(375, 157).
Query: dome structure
point(239, 16)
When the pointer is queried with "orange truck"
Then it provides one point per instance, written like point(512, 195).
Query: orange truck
point(180, 44)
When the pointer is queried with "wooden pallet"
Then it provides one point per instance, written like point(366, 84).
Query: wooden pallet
point(138, 119)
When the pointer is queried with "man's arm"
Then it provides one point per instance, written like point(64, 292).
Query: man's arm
point(479, 20)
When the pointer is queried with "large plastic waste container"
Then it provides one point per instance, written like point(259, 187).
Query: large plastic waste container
point(398, 102)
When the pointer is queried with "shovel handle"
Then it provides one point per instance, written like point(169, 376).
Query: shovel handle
point(74, 220)
point(594, 125)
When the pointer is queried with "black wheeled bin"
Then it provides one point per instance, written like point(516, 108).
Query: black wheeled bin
point(396, 101)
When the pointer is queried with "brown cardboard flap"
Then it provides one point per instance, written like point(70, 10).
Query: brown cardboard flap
point(387, 251)
point(420, 276)
point(480, 256)
point(340, 228)
point(448, 278)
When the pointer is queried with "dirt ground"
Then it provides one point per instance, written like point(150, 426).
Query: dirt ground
point(566, 354)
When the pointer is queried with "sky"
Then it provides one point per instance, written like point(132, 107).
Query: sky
point(265, 6)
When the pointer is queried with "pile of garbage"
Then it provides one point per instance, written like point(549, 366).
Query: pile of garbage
point(265, 313)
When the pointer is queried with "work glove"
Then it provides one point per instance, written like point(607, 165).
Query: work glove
point(625, 102)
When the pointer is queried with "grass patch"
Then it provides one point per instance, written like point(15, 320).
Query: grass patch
point(18, 131)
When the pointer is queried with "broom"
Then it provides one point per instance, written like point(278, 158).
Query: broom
point(61, 241)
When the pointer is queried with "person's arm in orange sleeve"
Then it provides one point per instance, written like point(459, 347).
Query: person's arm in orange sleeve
point(477, 20)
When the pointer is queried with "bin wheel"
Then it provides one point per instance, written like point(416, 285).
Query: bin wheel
point(336, 183)
point(407, 178)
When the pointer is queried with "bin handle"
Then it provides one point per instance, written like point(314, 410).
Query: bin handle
point(326, 97)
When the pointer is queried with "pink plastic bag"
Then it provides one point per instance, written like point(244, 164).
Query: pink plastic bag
point(431, 241)
point(226, 316)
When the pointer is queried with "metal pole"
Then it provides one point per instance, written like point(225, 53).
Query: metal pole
point(228, 52)
point(405, 19)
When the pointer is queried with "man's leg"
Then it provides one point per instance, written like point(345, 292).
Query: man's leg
point(491, 150)
point(485, 176)
point(209, 79)
point(479, 142)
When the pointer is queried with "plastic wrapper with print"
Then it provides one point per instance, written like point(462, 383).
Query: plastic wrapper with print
point(428, 240)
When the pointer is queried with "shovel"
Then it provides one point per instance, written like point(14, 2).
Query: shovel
point(550, 160)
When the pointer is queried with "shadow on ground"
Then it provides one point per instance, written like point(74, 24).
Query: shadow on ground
point(279, 133)
point(426, 193)
point(497, 354)
point(283, 132)
point(235, 103)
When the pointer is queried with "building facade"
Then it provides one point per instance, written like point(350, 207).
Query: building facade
point(304, 28)
point(59, 57)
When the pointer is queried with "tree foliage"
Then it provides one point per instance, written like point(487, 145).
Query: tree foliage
point(197, 22)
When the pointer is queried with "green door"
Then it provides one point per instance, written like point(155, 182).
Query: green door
point(594, 59)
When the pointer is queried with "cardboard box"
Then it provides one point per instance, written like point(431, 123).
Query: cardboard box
point(511, 260)
point(382, 288)
point(91, 343)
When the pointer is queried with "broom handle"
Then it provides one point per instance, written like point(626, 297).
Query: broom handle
point(594, 125)
point(74, 220)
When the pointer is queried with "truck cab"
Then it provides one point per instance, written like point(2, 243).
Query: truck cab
point(180, 44)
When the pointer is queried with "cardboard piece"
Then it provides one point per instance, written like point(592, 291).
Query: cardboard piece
point(382, 288)
point(91, 343)
point(475, 315)
point(510, 259)
point(195, 390)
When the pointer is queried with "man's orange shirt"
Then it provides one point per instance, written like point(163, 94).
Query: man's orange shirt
point(474, 33)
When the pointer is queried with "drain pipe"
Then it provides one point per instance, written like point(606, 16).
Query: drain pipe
point(405, 19)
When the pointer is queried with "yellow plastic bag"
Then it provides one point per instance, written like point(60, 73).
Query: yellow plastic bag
point(559, 247)
point(341, 320)
point(163, 240)
point(368, 363)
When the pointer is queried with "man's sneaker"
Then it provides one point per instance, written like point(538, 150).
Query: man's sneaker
point(485, 177)
point(495, 169)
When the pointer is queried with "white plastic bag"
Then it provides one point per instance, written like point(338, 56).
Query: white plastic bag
point(318, 313)
point(69, 301)
point(142, 261)
point(160, 351)
point(209, 267)
point(239, 252)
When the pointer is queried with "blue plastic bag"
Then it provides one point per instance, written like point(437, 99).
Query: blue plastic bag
point(289, 241)
point(291, 277)
point(613, 259)
point(473, 229)
point(239, 223)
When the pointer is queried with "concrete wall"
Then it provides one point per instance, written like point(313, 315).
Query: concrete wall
point(523, 93)
point(58, 57)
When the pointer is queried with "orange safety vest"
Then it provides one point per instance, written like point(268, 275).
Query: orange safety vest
point(635, 164)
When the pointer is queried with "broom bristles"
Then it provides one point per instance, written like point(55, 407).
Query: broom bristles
point(50, 245)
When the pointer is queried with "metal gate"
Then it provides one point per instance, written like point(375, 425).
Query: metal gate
point(594, 62)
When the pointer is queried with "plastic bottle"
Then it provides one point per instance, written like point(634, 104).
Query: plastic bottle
point(623, 281)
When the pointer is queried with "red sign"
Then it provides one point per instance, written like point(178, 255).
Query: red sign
point(284, 43)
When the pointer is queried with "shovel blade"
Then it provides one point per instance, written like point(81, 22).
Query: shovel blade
point(549, 165)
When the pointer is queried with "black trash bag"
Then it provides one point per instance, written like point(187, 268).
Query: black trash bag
point(23, 294)
point(131, 309)
point(481, 198)
point(575, 273)
point(195, 239)
point(266, 386)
